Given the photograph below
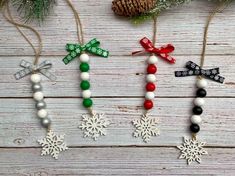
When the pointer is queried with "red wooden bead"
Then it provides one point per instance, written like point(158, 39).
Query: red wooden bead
point(151, 69)
point(150, 87)
point(148, 104)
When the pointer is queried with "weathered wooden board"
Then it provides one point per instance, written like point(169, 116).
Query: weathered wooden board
point(20, 127)
point(120, 37)
point(118, 88)
point(117, 77)
point(146, 161)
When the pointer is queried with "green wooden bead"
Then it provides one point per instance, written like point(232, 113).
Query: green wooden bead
point(87, 102)
point(84, 67)
point(85, 85)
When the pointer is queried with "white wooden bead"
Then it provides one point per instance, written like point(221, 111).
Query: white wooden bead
point(84, 58)
point(42, 113)
point(151, 78)
point(199, 101)
point(38, 96)
point(201, 83)
point(152, 60)
point(196, 119)
point(85, 76)
point(35, 78)
point(149, 95)
point(86, 94)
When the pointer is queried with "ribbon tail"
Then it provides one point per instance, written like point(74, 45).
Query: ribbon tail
point(98, 51)
point(22, 73)
point(167, 57)
point(49, 75)
point(67, 59)
point(25, 64)
point(218, 78)
point(215, 77)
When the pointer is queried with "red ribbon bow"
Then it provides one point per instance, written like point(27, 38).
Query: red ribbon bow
point(162, 52)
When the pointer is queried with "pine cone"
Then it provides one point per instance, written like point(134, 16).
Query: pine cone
point(132, 7)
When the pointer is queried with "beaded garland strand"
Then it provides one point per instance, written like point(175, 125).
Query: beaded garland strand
point(94, 124)
point(52, 144)
point(192, 149)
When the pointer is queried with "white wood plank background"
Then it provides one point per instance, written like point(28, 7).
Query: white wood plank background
point(117, 86)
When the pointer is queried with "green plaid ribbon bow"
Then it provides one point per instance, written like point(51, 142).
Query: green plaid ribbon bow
point(77, 49)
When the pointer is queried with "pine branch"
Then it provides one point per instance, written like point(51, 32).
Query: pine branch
point(31, 10)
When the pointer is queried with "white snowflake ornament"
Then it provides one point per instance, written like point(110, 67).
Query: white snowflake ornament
point(52, 144)
point(191, 150)
point(145, 128)
point(94, 126)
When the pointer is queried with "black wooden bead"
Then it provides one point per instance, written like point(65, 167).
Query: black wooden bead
point(195, 128)
point(201, 93)
point(197, 110)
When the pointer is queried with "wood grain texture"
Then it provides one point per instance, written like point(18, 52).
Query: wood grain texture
point(132, 161)
point(117, 77)
point(118, 89)
point(217, 128)
point(120, 37)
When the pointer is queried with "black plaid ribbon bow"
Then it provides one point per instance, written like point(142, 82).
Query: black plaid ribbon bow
point(194, 69)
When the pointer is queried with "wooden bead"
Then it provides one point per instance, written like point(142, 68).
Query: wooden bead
point(196, 119)
point(201, 92)
point(87, 102)
point(35, 78)
point(197, 110)
point(85, 76)
point(151, 78)
point(152, 60)
point(38, 96)
point(86, 94)
point(199, 101)
point(84, 67)
point(84, 58)
point(151, 69)
point(201, 83)
point(36, 87)
point(85, 85)
point(46, 122)
point(41, 105)
point(149, 95)
point(195, 128)
point(42, 113)
point(150, 87)
point(148, 104)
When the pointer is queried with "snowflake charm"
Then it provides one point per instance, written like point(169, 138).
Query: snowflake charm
point(191, 150)
point(94, 126)
point(52, 144)
point(145, 128)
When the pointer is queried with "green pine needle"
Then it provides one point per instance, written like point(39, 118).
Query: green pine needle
point(33, 9)
point(161, 5)
point(2, 3)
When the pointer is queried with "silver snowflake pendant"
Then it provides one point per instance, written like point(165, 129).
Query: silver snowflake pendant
point(191, 150)
point(145, 128)
point(52, 144)
point(94, 126)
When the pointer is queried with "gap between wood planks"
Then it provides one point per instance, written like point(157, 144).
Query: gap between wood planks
point(123, 55)
point(121, 146)
point(116, 97)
